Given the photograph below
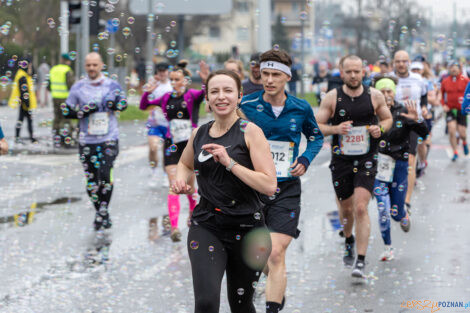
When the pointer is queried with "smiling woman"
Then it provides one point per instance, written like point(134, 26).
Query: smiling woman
point(228, 222)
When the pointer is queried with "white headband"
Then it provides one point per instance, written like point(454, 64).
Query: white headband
point(275, 66)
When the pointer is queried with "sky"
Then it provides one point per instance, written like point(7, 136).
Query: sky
point(443, 9)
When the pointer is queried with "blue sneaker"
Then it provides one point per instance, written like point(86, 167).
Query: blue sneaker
point(465, 149)
point(455, 157)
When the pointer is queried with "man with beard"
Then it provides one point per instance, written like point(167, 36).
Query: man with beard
point(355, 111)
point(253, 83)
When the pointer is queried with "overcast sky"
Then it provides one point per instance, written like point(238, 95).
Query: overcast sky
point(443, 9)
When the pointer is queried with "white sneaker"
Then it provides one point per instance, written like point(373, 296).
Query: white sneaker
point(387, 255)
point(165, 182)
point(153, 179)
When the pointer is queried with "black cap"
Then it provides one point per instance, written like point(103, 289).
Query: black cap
point(162, 66)
point(255, 57)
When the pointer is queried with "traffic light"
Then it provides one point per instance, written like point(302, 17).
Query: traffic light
point(75, 7)
point(95, 23)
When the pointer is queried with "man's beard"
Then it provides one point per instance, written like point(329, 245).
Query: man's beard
point(352, 86)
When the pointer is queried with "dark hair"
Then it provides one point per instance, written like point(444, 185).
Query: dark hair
point(280, 56)
point(229, 73)
point(378, 77)
point(181, 66)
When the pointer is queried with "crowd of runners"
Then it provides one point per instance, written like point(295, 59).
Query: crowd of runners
point(241, 171)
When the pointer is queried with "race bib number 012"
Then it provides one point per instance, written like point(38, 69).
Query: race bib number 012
point(98, 124)
point(180, 130)
point(356, 142)
point(385, 168)
point(283, 156)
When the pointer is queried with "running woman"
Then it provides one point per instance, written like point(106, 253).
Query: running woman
point(391, 180)
point(94, 100)
point(356, 130)
point(157, 124)
point(181, 109)
point(453, 90)
point(283, 118)
point(230, 157)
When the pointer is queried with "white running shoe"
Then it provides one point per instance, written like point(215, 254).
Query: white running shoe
point(153, 179)
point(387, 255)
point(165, 182)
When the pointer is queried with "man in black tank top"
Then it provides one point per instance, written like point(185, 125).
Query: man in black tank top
point(354, 111)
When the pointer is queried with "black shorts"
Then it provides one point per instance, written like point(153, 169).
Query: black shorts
point(172, 152)
point(413, 142)
point(282, 210)
point(348, 174)
point(429, 123)
point(456, 115)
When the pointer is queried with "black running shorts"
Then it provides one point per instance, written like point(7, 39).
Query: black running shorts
point(172, 152)
point(282, 210)
point(456, 115)
point(348, 174)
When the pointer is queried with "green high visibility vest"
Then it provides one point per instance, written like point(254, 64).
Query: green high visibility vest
point(58, 78)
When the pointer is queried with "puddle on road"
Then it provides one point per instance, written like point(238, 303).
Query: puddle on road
point(27, 217)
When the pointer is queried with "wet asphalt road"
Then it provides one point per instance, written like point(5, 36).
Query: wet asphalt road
point(45, 265)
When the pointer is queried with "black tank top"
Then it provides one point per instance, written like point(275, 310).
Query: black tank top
point(359, 110)
point(218, 187)
point(176, 110)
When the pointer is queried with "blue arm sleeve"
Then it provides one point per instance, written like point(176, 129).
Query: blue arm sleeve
point(314, 137)
point(466, 101)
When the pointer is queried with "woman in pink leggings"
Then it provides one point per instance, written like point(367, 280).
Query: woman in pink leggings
point(181, 109)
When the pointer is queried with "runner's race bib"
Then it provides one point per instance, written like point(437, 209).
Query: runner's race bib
point(356, 142)
point(385, 168)
point(283, 157)
point(98, 123)
point(180, 130)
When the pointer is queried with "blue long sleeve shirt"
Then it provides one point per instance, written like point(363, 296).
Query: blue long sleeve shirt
point(466, 101)
point(296, 118)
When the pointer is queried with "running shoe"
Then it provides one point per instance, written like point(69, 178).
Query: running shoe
point(405, 223)
point(420, 169)
point(408, 208)
point(175, 235)
point(387, 255)
point(465, 149)
point(153, 180)
point(165, 182)
point(102, 222)
point(341, 233)
point(455, 157)
point(153, 229)
point(166, 225)
point(349, 255)
point(358, 270)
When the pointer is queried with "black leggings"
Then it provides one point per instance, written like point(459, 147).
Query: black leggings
point(22, 115)
point(98, 162)
point(220, 245)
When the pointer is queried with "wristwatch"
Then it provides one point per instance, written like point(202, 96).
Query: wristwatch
point(232, 164)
